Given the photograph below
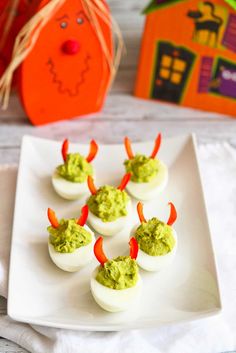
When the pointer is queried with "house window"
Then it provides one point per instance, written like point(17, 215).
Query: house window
point(165, 73)
point(179, 65)
point(171, 72)
point(172, 69)
point(176, 77)
point(224, 78)
point(166, 60)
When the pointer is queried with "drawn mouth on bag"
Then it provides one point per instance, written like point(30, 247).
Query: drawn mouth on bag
point(59, 83)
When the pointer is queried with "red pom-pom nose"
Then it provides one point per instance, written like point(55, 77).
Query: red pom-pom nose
point(70, 47)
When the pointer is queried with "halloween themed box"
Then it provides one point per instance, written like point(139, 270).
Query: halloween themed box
point(61, 54)
point(188, 54)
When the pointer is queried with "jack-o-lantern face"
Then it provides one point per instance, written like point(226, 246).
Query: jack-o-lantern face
point(66, 74)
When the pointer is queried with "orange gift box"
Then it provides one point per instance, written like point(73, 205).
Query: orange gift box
point(188, 54)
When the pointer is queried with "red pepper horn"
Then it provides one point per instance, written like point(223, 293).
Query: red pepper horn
point(91, 186)
point(84, 215)
point(93, 151)
point(64, 149)
point(173, 214)
point(52, 218)
point(124, 181)
point(128, 148)
point(156, 146)
point(140, 212)
point(133, 253)
point(98, 251)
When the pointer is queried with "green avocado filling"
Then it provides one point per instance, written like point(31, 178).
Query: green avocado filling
point(143, 169)
point(119, 273)
point(155, 238)
point(75, 168)
point(108, 203)
point(69, 236)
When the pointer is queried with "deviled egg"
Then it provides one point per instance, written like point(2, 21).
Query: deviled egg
point(116, 283)
point(149, 175)
point(109, 207)
point(157, 240)
point(70, 178)
point(70, 242)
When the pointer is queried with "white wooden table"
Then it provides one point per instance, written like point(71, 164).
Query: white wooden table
point(122, 115)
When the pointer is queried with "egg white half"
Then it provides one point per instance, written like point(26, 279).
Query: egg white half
point(67, 189)
point(114, 300)
point(157, 263)
point(109, 228)
point(149, 190)
point(72, 262)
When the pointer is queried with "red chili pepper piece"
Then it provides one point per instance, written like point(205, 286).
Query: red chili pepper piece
point(64, 149)
point(156, 147)
point(93, 151)
point(133, 248)
point(173, 214)
point(91, 185)
point(98, 251)
point(140, 212)
point(52, 218)
point(128, 148)
point(84, 215)
point(124, 181)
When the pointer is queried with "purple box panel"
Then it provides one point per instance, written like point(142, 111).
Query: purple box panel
point(205, 74)
point(229, 39)
point(228, 83)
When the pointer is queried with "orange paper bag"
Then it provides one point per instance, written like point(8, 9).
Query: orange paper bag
point(68, 59)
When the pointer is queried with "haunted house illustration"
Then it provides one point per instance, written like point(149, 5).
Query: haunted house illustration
point(188, 54)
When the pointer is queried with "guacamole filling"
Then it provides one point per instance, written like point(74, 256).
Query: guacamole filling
point(68, 236)
point(155, 238)
point(108, 203)
point(119, 273)
point(75, 168)
point(143, 169)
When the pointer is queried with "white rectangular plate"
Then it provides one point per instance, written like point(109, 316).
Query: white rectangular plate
point(40, 293)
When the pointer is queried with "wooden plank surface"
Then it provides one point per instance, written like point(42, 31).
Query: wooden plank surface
point(122, 114)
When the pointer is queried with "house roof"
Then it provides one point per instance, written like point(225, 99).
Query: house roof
point(232, 3)
point(157, 4)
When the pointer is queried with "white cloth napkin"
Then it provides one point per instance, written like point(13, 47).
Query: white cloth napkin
point(216, 334)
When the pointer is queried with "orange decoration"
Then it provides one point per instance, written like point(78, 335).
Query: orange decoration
point(140, 212)
point(64, 149)
point(93, 151)
point(91, 186)
point(188, 54)
point(133, 253)
point(69, 73)
point(52, 218)
point(128, 147)
point(124, 181)
point(156, 146)
point(173, 214)
point(84, 215)
point(9, 27)
point(98, 251)
point(64, 77)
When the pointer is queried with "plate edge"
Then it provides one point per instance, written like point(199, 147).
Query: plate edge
point(196, 153)
point(24, 141)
